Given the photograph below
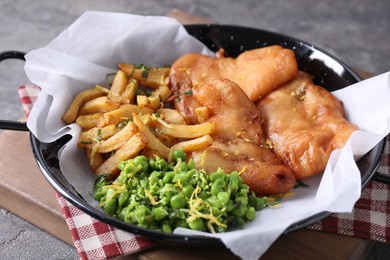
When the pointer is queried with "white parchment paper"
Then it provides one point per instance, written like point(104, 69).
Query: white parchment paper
point(94, 44)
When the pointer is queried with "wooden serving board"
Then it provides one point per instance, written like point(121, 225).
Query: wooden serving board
point(25, 192)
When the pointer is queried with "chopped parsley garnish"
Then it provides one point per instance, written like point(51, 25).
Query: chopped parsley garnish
point(301, 184)
point(188, 92)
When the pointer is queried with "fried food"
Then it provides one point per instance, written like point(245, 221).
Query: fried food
point(305, 123)
point(238, 143)
point(257, 72)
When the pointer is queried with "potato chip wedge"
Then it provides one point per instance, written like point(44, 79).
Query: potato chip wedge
point(99, 104)
point(84, 96)
point(171, 116)
point(118, 86)
point(116, 141)
point(129, 93)
point(88, 121)
point(129, 150)
point(152, 77)
point(184, 131)
point(154, 142)
point(193, 144)
point(122, 114)
point(87, 137)
point(95, 159)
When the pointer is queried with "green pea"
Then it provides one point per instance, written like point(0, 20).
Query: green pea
point(122, 165)
point(239, 211)
point(99, 193)
point(217, 175)
point(141, 214)
point(111, 206)
point(168, 177)
point(143, 183)
point(166, 228)
point(128, 215)
point(181, 223)
point(122, 198)
point(182, 177)
point(217, 186)
point(134, 182)
point(159, 213)
point(224, 197)
point(230, 205)
point(121, 178)
point(215, 202)
point(216, 211)
point(191, 164)
point(188, 190)
point(158, 164)
point(153, 179)
point(196, 224)
point(178, 201)
point(179, 154)
point(183, 167)
point(141, 161)
point(256, 202)
point(234, 181)
point(238, 222)
point(242, 200)
point(250, 213)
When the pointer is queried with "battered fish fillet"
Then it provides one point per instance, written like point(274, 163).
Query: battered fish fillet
point(238, 142)
point(257, 72)
point(305, 123)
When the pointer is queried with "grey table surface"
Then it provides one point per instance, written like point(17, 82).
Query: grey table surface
point(356, 31)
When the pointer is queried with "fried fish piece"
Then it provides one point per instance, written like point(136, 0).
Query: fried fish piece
point(257, 71)
point(305, 123)
point(238, 143)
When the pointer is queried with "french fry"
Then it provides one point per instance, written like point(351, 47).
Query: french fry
point(118, 86)
point(121, 114)
point(116, 141)
point(146, 76)
point(130, 91)
point(129, 150)
point(95, 159)
point(99, 104)
point(154, 142)
point(87, 137)
point(202, 114)
point(184, 131)
point(156, 99)
point(171, 116)
point(193, 144)
point(88, 121)
point(84, 96)
point(167, 140)
point(145, 101)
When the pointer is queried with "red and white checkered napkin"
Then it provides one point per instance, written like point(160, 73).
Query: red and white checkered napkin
point(370, 218)
point(93, 239)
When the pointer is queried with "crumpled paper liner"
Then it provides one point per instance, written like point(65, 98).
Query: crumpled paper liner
point(94, 44)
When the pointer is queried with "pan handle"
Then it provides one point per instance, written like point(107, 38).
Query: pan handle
point(9, 124)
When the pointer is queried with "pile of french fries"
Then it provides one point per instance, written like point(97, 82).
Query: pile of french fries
point(130, 118)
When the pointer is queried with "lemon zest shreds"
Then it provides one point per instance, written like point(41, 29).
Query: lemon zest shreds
point(95, 148)
point(151, 198)
point(243, 169)
point(194, 203)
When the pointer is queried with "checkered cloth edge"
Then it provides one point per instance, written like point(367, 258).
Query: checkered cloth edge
point(93, 239)
point(370, 218)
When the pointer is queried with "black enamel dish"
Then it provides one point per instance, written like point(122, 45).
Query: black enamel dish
point(327, 70)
